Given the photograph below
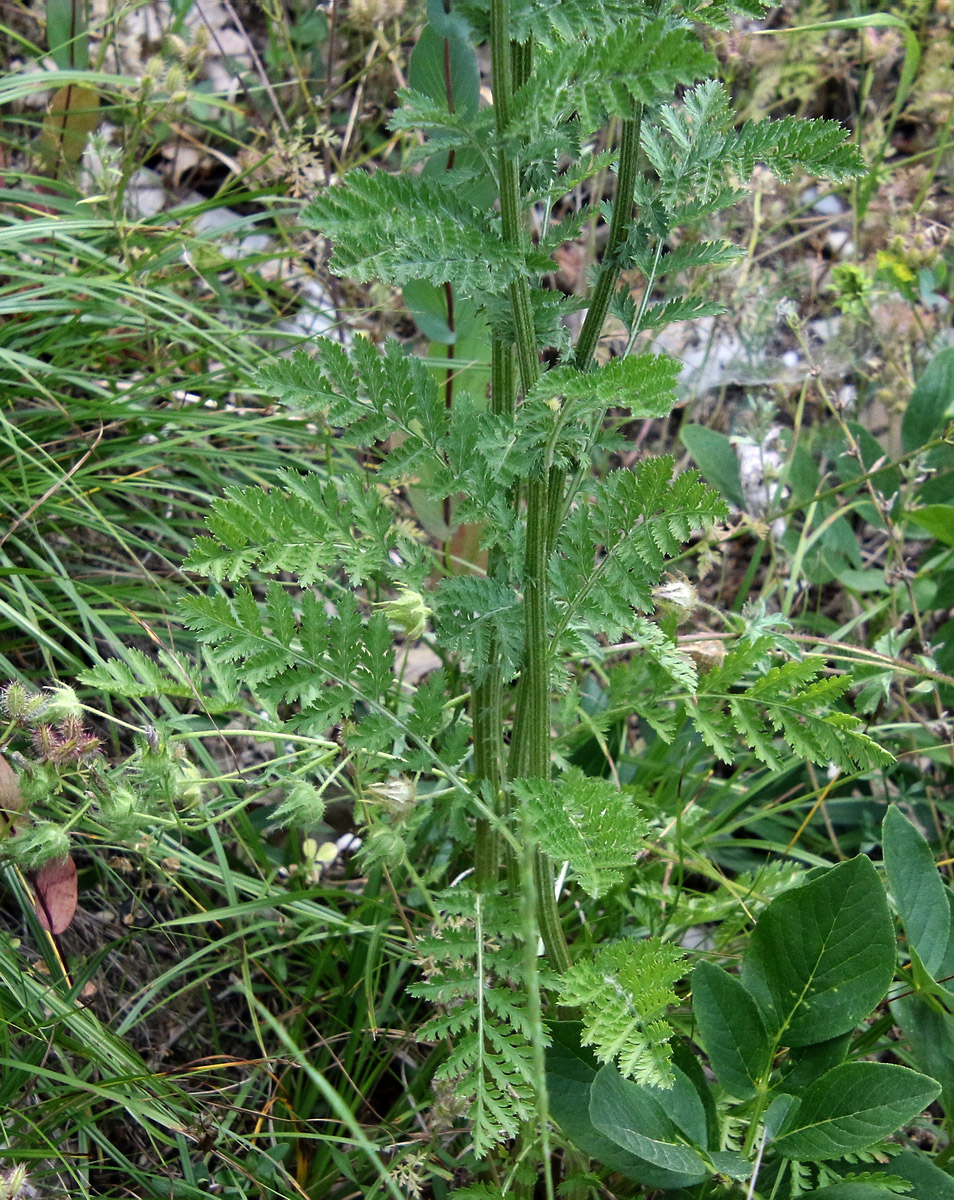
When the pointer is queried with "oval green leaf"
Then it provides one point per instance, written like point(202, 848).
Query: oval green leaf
point(822, 956)
point(852, 1107)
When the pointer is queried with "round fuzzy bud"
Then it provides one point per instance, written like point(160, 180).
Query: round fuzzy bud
point(18, 702)
point(384, 845)
point(303, 806)
point(38, 843)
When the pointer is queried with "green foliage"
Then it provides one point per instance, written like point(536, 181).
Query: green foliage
point(623, 992)
point(475, 977)
point(820, 958)
point(399, 228)
point(548, 571)
point(613, 550)
point(588, 823)
point(822, 955)
point(791, 699)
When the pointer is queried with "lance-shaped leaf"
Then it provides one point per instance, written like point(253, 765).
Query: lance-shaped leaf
point(919, 892)
point(731, 1028)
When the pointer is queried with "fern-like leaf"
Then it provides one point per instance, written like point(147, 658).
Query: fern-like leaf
point(788, 701)
point(396, 228)
point(473, 961)
point(472, 615)
point(624, 990)
point(305, 525)
point(588, 823)
point(637, 519)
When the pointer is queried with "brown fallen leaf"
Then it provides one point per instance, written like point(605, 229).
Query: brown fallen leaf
point(10, 799)
point(54, 886)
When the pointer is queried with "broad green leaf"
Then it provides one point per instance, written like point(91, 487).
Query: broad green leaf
point(441, 58)
point(806, 1063)
point(713, 454)
point(731, 1029)
point(570, 1074)
point(74, 114)
point(937, 519)
point(822, 956)
point(931, 402)
point(428, 306)
point(918, 890)
point(632, 1117)
point(67, 34)
point(852, 1107)
point(929, 1031)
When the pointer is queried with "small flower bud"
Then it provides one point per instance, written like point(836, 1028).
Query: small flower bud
point(304, 806)
point(18, 702)
point(383, 844)
point(676, 597)
point(397, 796)
point(409, 611)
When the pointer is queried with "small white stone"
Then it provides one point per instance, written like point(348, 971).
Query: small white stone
point(839, 243)
point(829, 206)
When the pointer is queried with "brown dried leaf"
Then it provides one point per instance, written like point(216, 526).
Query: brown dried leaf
point(10, 799)
point(55, 893)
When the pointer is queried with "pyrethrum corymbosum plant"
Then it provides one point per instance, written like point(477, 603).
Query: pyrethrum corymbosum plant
point(572, 573)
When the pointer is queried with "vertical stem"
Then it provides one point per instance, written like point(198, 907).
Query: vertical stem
point(487, 702)
point(532, 722)
point(514, 233)
point(450, 372)
point(606, 281)
point(618, 232)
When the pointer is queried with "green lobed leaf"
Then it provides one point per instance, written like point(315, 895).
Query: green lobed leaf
point(589, 823)
point(850, 1191)
point(394, 228)
point(731, 1030)
point(919, 892)
point(624, 990)
point(852, 1107)
point(822, 956)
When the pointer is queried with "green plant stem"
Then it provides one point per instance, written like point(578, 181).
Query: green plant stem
point(618, 233)
point(606, 281)
point(532, 721)
point(487, 701)
point(514, 232)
